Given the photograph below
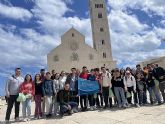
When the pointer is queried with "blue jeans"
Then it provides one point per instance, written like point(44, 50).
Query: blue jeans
point(64, 108)
point(156, 93)
point(119, 92)
point(141, 96)
point(26, 105)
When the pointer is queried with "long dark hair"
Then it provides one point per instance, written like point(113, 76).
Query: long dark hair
point(35, 79)
point(26, 77)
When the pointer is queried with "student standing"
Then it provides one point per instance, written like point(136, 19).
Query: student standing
point(27, 88)
point(38, 96)
point(106, 84)
point(84, 75)
point(152, 87)
point(119, 89)
point(62, 80)
point(56, 89)
point(43, 77)
point(99, 99)
point(91, 77)
point(130, 82)
point(12, 91)
point(140, 83)
point(48, 92)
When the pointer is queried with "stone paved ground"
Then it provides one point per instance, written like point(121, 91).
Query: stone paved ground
point(143, 115)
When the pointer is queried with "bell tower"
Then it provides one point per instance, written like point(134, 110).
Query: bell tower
point(100, 30)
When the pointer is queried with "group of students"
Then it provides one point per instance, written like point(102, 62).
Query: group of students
point(57, 93)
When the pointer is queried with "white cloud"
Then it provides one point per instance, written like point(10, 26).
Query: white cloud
point(55, 23)
point(150, 6)
point(16, 13)
point(16, 50)
point(133, 41)
point(160, 32)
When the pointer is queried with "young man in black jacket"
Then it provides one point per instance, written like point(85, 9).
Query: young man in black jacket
point(64, 98)
point(159, 74)
point(150, 81)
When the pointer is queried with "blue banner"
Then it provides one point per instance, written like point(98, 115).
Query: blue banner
point(86, 87)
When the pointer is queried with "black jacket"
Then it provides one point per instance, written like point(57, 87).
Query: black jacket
point(150, 81)
point(158, 72)
point(64, 97)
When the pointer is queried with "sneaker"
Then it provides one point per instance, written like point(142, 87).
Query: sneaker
point(17, 119)
point(105, 107)
point(120, 106)
point(137, 105)
point(70, 112)
point(75, 110)
point(128, 105)
point(49, 116)
point(160, 103)
point(36, 117)
point(84, 109)
point(61, 114)
point(95, 108)
point(91, 108)
point(124, 106)
point(7, 122)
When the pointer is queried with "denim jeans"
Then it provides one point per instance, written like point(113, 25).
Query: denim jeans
point(55, 105)
point(162, 89)
point(156, 93)
point(119, 93)
point(26, 105)
point(64, 108)
point(141, 96)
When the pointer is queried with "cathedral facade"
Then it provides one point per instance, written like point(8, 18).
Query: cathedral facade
point(74, 52)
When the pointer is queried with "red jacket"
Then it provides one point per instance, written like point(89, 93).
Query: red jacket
point(27, 88)
point(84, 75)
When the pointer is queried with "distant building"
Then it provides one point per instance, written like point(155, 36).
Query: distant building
point(160, 61)
point(74, 52)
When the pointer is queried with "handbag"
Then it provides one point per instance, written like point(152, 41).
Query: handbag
point(111, 93)
point(128, 95)
point(21, 97)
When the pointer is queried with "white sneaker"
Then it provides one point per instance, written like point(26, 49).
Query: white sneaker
point(137, 105)
point(91, 108)
point(95, 108)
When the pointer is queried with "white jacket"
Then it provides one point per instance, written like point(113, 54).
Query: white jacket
point(106, 79)
point(130, 82)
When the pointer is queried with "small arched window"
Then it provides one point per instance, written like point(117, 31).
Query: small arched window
point(104, 55)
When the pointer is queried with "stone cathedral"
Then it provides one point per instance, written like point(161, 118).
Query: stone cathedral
point(74, 52)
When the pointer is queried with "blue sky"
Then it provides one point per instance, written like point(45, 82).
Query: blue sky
point(29, 29)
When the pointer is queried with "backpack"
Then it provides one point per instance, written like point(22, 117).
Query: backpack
point(131, 78)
